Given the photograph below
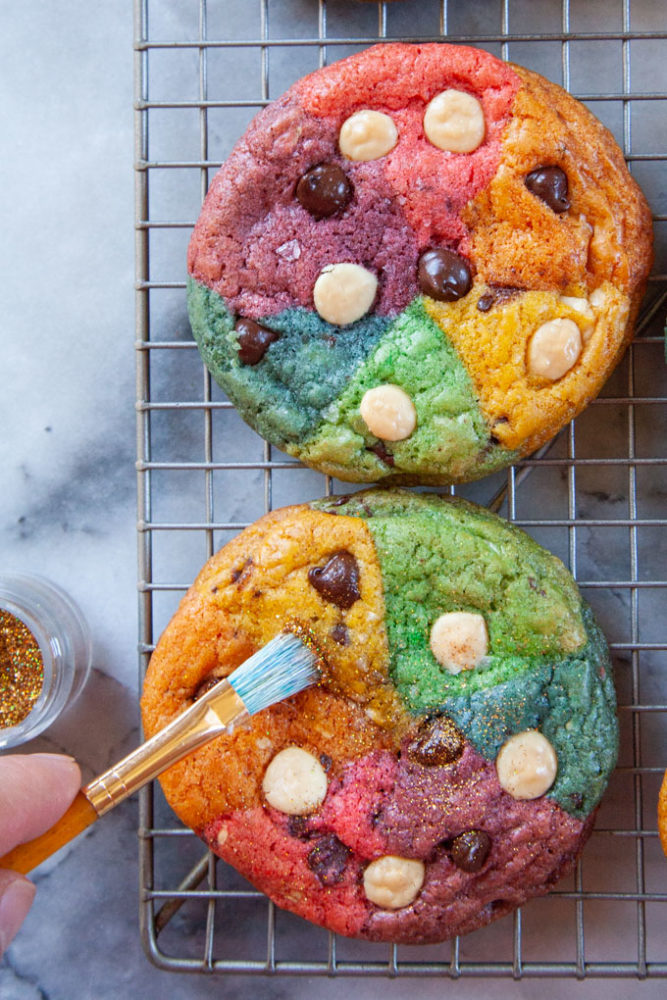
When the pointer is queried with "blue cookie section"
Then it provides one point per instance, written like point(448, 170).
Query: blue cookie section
point(571, 702)
point(301, 373)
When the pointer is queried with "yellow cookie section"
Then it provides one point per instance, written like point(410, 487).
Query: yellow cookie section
point(524, 410)
point(242, 598)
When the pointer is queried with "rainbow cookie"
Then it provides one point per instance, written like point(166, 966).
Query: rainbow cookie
point(450, 764)
point(417, 265)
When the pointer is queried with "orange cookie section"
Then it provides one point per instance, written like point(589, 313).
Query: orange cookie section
point(662, 814)
point(516, 240)
point(243, 597)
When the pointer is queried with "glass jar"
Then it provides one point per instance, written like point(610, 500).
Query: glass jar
point(62, 635)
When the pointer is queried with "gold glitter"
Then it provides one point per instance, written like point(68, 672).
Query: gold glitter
point(21, 670)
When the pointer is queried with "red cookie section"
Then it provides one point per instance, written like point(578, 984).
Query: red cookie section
point(259, 847)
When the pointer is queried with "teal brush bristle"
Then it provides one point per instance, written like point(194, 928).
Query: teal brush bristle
point(283, 667)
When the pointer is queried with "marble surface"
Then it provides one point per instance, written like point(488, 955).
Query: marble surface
point(67, 451)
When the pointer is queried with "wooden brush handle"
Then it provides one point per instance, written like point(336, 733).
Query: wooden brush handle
point(25, 857)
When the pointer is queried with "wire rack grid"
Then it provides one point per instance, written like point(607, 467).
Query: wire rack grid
point(595, 496)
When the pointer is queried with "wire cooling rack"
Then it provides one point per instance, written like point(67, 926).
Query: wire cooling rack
point(595, 496)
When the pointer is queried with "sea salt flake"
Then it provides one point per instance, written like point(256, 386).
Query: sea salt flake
point(289, 251)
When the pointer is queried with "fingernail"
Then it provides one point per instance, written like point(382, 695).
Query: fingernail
point(52, 756)
point(15, 902)
point(64, 767)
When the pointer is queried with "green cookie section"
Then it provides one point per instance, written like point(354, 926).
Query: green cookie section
point(451, 440)
point(548, 665)
point(283, 395)
point(304, 395)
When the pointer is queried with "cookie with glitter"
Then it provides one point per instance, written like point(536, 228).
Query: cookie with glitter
point(449, 765)
point(418, 265)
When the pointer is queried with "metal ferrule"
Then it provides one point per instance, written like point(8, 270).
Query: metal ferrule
point(214, 713)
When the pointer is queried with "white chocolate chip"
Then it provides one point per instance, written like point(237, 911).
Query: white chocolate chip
point(578, 305)
point(367, 135)
point(459, 640)
point(222, 836)
point(388, 412)
point(598, 298)
point(295, 782)
point(527, 765)
point(585, 313)
point(343, 293)
point(554, 348)
point(392, 882)
point(454, 121)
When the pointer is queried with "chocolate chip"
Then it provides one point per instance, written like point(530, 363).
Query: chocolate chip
point(206, 685)
point(241, 571)
point(326, 761)
point(338, 580)
point(324, 190)
point(342, 499)
point(470, 850)
point(444, 275)
point(254, 340)
point(380, 450)
point(297, 826)
point(549, 184)
point(498, 293)
point(328, 858)
point(340, 634)
point(437, 741)
point(485, 302)
point(577, 799)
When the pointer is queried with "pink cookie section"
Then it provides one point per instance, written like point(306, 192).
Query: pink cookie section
point(262, 251)
point(431, 185)
point(380, 804)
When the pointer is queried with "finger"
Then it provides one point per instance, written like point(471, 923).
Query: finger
point(16, 896)
point(35, 790)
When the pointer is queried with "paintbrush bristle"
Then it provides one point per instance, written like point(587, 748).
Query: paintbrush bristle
point(283, 667)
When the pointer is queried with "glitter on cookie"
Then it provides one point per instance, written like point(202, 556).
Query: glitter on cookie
point(398, 800)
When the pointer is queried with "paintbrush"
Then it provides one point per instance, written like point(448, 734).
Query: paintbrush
point(285, 666)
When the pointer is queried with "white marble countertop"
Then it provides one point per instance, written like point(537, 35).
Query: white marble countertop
point(68, 505)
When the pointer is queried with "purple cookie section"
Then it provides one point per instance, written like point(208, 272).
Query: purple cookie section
point(533, 843)
point(380, 804)
point(262, 251)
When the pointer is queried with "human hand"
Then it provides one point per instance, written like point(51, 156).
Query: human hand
point(35, 790)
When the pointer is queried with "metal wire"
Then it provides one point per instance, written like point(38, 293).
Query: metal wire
point(610, 918)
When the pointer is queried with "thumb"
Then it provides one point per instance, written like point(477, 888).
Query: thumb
point(35, 791)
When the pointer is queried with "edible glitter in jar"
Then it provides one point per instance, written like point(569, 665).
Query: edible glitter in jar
point(45, 655)
point(21, 670)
